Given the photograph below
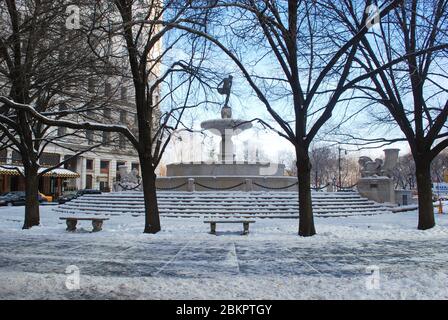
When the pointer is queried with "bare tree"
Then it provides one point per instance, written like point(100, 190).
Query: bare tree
point(142, 33)
point(414, 91)
point(38, 66)
point(324, 163)
point(439, 167)
point(311, 55)
point(404, 172)
point(166, 85)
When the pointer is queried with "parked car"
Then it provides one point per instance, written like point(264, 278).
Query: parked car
point(67, 196)
point(70, 195)
point(16, 198)
point(47, 198)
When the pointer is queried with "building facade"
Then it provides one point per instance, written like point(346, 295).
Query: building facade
point(106, 99)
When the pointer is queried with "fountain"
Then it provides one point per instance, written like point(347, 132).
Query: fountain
point(226, 173)
point(226, 128)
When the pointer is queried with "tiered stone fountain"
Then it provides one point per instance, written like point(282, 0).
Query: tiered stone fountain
point(227, 174)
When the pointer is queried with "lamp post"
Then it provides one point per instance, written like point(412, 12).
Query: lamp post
point(339, 166)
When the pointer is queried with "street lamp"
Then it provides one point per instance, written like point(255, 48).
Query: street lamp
point(339, 166)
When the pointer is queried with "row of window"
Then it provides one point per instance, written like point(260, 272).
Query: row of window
point(104, 165)
point(106, 136)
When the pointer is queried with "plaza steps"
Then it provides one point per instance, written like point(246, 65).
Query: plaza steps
point(226, 203)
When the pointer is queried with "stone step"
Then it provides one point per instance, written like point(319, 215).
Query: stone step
point(220, 209)
point(214, 205)
point(222, 199)
point(196, 200)
point(233, 195)
point(203, 201)
point(233, 215)
point(259, 204)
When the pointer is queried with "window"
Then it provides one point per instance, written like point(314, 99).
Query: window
point(62, 130)
point(89, 164)
point(107, 113)
point(16, 157)
point(122, 141)
point(124, 94)
point(107, 89)
point(89, 181)
point(89, 136)
point(136, 165)
point(91, 85)
point(70, 164)
point(104, 166)
point(119, 164)
point(106, 138)
point(3, 156)
point(49, 159)
point(123, 116)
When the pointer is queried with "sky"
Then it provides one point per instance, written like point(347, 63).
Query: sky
point(246, 106)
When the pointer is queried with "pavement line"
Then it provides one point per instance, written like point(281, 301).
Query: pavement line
point(83, 258)
point(171, 260)
point(236, 258)
point(305, 263)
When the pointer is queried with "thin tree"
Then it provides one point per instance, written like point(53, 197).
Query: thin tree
point(38, 66)
point(165, 86)
point(414, 91)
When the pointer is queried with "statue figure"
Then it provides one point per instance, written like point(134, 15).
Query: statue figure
point(128, 180)
point(368, 167)
point(131, 177)
point(224, 88)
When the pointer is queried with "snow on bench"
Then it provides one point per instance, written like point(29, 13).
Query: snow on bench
point(244, 222)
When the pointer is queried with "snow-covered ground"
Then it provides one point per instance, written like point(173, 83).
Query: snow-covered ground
point(185, 262)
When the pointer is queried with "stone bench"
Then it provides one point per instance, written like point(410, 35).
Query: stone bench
point(244, 222)
point(97, 223)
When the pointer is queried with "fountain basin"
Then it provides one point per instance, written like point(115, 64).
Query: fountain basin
point(227, 168)
point(228, 183)
point(226, 126)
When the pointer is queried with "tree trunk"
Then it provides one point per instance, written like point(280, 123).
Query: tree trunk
point(306, 220)
point(152, 219)
point(424, 188)
point(31, 197)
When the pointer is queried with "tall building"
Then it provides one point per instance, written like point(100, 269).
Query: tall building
point(98, 168)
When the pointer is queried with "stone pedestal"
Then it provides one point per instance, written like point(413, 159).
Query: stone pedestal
point(226, 149)
point(403, 197)
point(190, 185)
point(379, 189)
point(248, 185)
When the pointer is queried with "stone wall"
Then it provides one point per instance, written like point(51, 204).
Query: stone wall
point(379, 189)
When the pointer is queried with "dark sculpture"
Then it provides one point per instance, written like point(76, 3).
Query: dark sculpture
point(368, 167)
point(225, 88)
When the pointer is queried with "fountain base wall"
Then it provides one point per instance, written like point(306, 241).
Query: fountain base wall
point(227, 183)
point(228, 168)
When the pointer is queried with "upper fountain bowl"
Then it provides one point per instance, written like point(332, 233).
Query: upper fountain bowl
point(228, 126)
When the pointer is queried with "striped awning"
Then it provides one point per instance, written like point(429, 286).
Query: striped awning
point(56, 173)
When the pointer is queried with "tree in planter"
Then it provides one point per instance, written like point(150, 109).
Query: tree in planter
point(38, 66)
point(414, 91)
point(313, 54)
